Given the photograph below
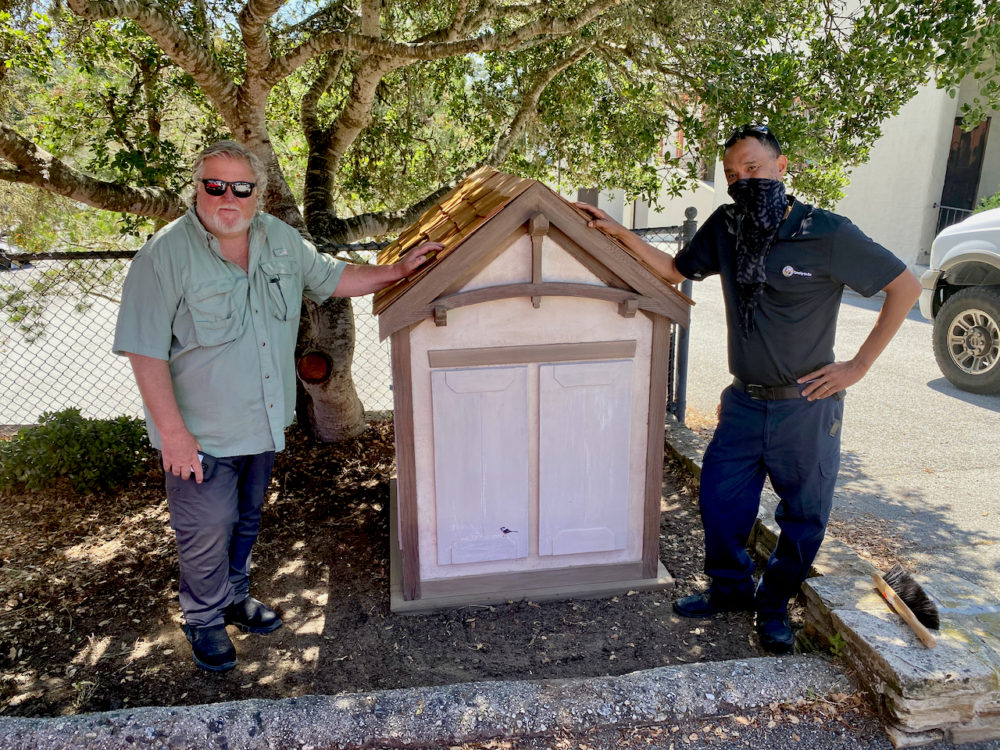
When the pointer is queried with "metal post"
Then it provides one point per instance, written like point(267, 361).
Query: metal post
point(690, 226)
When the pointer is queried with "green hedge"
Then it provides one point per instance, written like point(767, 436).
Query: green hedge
point(91, 454)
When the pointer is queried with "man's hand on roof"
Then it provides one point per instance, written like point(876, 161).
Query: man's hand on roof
point(416, 257)
point(601, 220)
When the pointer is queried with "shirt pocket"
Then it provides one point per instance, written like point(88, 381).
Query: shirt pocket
point(283, 291)
point(214, 312)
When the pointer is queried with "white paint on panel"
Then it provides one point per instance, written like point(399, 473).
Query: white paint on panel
point(584, 431)
point(481, 464)
point(559, 265)
point(512, 266)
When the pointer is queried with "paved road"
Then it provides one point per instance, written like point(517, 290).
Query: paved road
point(917, 452)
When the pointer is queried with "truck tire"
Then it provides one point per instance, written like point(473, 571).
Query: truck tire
point(967, 339)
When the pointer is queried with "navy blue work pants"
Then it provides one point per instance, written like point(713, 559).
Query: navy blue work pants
point(796, 443)
point(216, 524)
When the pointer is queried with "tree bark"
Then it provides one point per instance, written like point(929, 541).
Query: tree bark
point(329, 410)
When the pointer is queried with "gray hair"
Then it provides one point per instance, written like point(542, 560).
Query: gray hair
point(232, 150)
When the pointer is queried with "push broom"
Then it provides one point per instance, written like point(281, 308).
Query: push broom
point(909, 600)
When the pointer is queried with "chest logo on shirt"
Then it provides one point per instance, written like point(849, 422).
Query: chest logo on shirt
point(280, 251)
point(789, 271)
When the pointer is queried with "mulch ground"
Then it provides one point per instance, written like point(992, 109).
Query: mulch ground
point(89, 618)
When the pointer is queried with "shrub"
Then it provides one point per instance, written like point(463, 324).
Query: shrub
point(992, 201)
point(92, 454)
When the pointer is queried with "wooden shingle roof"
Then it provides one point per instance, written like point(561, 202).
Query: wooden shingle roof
point(477, 207)
point(460, 213)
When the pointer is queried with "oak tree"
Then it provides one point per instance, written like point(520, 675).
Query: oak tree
point(367, 111)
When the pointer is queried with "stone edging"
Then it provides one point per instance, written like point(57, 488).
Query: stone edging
point(951, 692)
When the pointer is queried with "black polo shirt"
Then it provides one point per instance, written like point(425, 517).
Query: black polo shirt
point(815, 255)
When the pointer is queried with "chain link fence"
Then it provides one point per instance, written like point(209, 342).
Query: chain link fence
point(57, 323)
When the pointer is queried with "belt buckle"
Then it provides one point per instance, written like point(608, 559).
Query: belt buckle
point(757, 392)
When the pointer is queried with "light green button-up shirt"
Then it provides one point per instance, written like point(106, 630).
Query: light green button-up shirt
point(228, 336)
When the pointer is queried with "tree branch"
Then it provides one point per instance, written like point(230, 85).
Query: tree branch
point(529, 102)
point(184, 49)
point(253, 25)
point(403, 53)
point(371, 18)
point(37, 167)
point(331, 229)
point(309, 109)
point(327, 146)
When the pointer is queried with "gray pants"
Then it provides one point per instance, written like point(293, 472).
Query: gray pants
point(216, 524)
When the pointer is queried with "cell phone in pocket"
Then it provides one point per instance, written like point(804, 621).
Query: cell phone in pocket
point(207, 466)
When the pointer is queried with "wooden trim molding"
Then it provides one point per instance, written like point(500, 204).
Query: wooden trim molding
point(406, 462)
point(625, 298)
point(484, 584)
point(538, 227)
point(659, 368)
point(516, 355)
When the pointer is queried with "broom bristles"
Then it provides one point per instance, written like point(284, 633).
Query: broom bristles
point(914, 596)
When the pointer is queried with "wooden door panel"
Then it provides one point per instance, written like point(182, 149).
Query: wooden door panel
point(584, 433)
point(481, 463)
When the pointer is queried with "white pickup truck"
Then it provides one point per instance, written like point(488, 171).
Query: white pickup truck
point(962, 296)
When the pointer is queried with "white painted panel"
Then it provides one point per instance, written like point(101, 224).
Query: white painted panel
point(585, 418)
point(481, 463)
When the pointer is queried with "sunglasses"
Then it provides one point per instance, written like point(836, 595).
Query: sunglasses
point(752, 130)
point(218, 187)
point(743, 130)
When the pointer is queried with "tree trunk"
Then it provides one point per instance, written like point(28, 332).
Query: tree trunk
point(327, 403)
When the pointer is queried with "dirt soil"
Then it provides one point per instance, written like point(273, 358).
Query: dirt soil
point(89, 619)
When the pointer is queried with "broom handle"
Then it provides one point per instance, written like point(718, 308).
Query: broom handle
point(904, 611)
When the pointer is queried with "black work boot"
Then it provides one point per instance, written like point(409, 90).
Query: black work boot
point(775, 632)
point(211, 647)
point(709, 603)
point(251, 616)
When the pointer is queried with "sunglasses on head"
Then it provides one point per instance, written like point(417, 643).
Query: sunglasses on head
point(218, 187)
point(752, 130)
point(743, 130)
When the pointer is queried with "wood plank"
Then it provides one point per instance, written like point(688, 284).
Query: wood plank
point(546, 289)
point(571, 576)
point(560, 592)
point(658, 373)
point(406, 462)
point(539, 227)
point(516, 355)
point(481, 463)
point(629, 308)
point(584, 436)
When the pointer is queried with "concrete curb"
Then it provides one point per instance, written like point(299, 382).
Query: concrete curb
point(450, 714)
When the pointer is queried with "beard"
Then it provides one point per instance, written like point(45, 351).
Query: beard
point(224, 221)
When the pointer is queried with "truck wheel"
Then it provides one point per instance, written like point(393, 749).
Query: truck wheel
point(967, 339)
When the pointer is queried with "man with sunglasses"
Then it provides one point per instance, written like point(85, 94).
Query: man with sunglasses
point(784, 265)
point(208, 319)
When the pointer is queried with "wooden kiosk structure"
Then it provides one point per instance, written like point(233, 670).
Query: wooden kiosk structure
point(529, 365)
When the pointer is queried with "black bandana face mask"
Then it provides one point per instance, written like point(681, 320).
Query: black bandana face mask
point(760, 208)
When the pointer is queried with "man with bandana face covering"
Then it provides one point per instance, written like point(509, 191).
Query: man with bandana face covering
point(784, 265)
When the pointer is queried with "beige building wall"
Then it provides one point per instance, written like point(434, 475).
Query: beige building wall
point(892, 197)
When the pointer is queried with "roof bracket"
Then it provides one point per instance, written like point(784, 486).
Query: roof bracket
point(440, 316)
point(628, 308)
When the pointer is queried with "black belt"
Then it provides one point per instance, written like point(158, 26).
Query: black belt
point(768, 392)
